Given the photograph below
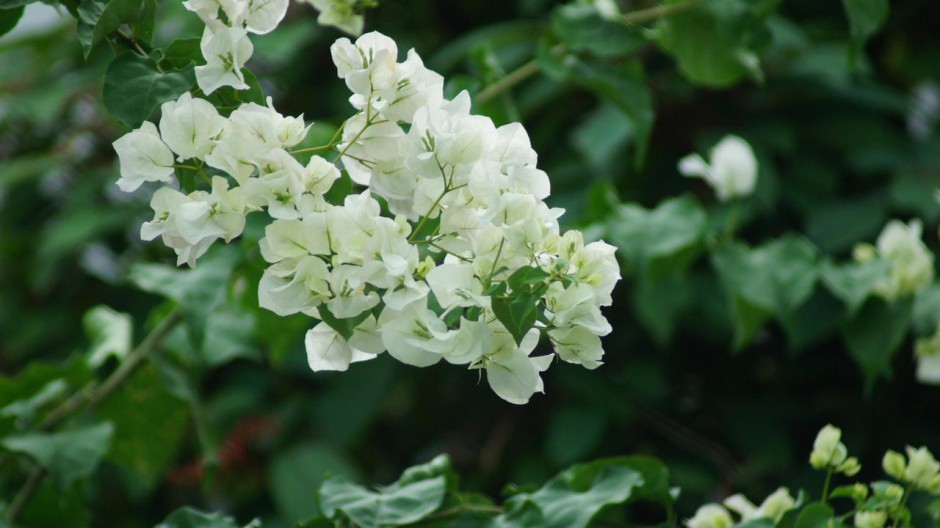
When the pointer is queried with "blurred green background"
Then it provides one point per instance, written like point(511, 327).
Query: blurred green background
point(237, 422)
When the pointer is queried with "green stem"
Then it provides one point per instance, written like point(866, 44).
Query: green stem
point(825, 490)
point(653, 13)
point(532, 67)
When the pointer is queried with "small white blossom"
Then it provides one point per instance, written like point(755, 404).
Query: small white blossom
point(190, 126)
point(731, 171)
point(226, 50)
point(143, 157)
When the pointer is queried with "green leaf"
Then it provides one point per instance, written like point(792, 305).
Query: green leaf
point(344, 327)
point(133, 87)
point(137, 446)
point(602, 135)
point(777, 277)
point(582, 28)
point(927, 309)
point(229, 335)
point(192, 518)
point(576, 495)
point(518, 313)
point(68, 455)
point(9, 18)
point(659, 302)
point(853, 283)
point(707, 54)
point(573, 433)
point(110, 333)
point(760, 522)
point(226, 99)
point(296, 474)
point(14, 4)
point(621, 84)
point(24, 410)
point(865, 18)
point(97, 19)
point(181, 53)
point(663, 234)
point(200, 292)
point(875, 333)
point(413, 497)
point(527, 279)
point(814, 515)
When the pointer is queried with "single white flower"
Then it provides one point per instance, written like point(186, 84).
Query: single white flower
point(710, 516)
point(342, 14)
point(143, 158)
point(190, 126)
point(226, 50)
point(731, 170)
point(327, 350)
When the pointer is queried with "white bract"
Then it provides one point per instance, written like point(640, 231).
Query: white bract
point(731, 169)
point(911, 261)
point(466, 265)
point(144, 157)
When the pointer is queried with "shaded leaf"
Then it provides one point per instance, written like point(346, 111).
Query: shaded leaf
point(9, 18)
point(670, 230)
point(854, 282)
point(865, 18)
point(583, 29)
point(706, 55)
point(298, 472)
point(68, 455)
point(875, 333)
point(137, 445)
point(576, 495)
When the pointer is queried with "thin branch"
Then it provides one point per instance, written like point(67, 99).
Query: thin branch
point(26, 493)
point(93, 395)
point(532, 67)
point(652, 13)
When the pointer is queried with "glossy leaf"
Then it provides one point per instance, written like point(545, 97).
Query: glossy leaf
point(134, 87)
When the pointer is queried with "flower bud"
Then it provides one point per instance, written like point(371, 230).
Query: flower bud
point(870, 519)
point(922, 467)
point(710, 516)
point(850, 467)
point(893, 464)
point(828, 451)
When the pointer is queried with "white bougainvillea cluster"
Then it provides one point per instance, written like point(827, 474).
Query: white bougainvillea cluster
point(448, 253)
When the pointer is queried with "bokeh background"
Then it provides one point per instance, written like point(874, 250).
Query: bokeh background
point(247, 428)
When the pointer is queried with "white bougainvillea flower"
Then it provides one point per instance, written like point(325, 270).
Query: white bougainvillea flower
point(327, 350)
point(226, 50)
point(731, 170)
point(911, 260)
point(927, 353)
point(367, 66)
point(412, 335)
point(510, 370)
point(263, 16)
point(191, 223)
point(143, 157)
point(341, 14)
point(208, 10)
point(575, 344)
point(294, 285)
point(710, 516)
point(774, 506)
point(190, 126)
point(455, 284)
point(416, 87)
